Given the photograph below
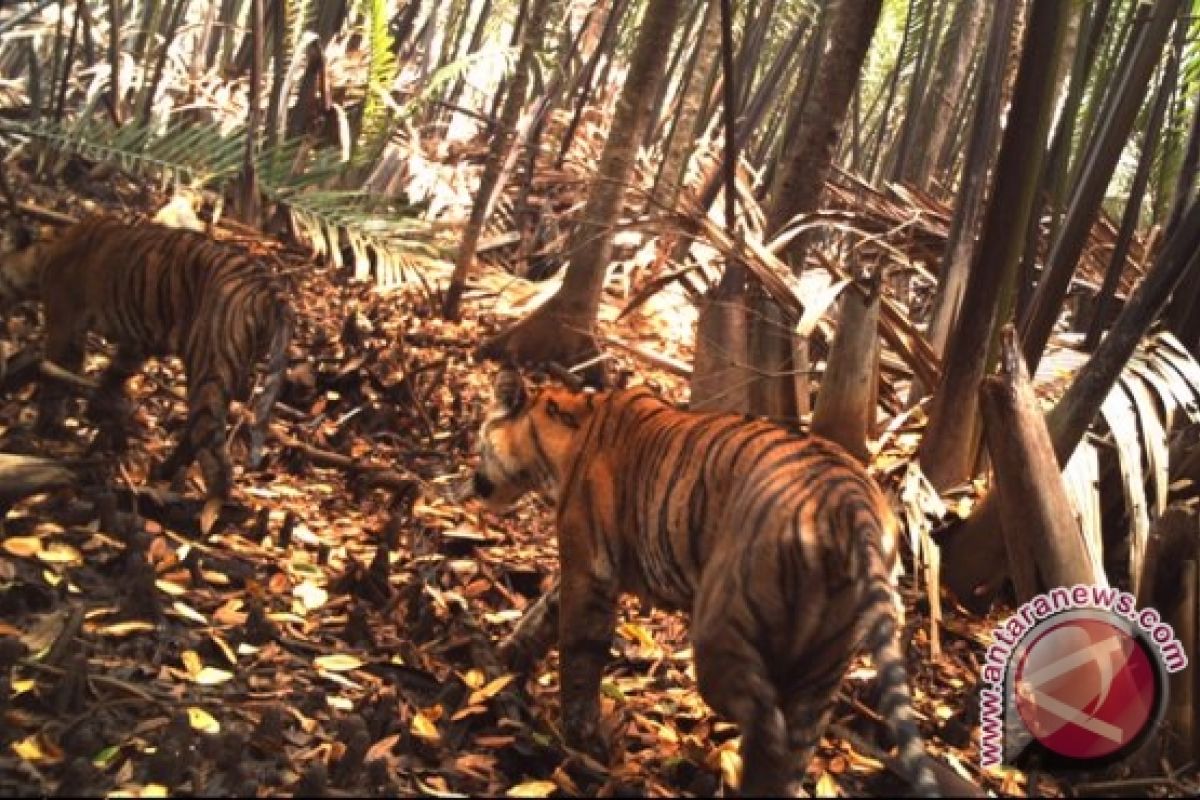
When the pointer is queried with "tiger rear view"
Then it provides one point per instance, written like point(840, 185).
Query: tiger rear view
point(155, 291)
point(781, 548)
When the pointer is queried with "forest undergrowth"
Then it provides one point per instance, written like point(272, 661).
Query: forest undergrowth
point(335, 633)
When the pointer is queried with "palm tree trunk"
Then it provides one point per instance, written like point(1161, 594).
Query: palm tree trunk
point(498, 157)
point(561, 329)
point(1098, 168)
point(948, 450)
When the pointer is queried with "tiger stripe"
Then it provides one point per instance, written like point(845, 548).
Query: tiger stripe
point(781, 547)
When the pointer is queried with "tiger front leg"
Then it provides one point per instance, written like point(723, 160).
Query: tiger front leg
point(65, 348)
point(109, 408)
point(534, 635)
point(587, 619)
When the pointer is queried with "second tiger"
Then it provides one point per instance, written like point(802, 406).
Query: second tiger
point(156, 291)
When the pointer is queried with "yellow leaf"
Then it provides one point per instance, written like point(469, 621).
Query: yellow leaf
point(173, 589)
point(636, 633)
point(826, 786)
point(120, 629)
point(23, 685)
point(28, 749)
point(533, 789)
point(490, 691)
point(60, 553)
point(22, 546)
point(187, 612)
point(467, 711)
point(153, 790)
point(423, 728)
point(191, 663)
point(50, 578)
point(339, 662)
point(340, 703)
point(731, 767)
point(202, 721)
point(474, 678)
point(211, 676)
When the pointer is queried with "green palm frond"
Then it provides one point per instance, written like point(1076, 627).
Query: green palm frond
point(384, 243)
point(381, 74)
point(193, 154)
point(392, 248)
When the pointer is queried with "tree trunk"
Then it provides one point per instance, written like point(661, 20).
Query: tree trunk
point(947, 86)
point(603, 47)
point(1133, 204)
point(930, 29)
point(250, 201)
point(968, 211)
point(114, 59)
point(1045, 546)
point(680, 144)
point(491, 182)
point(562, 329)
point(845, 410)
point(948, 449)
point(798, 189)
point(970, 556)
point(1097, 172)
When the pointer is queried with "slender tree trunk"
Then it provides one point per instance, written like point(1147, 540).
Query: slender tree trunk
point(948, 449)
point(685, 45)
point(491, 182)
point(930, 29)
point(946, 88)
point(1137, 191)
point(114, 59)
point(561, 329)
point(679, 146)
point(276, 102)
point(968, 212)
point(796, 190)
point(250, 206)
point(1094, 179)
point(719, 379)
point(603, 47)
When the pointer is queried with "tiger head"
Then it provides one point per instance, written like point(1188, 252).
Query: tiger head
point(527, 441)
point(20, 264)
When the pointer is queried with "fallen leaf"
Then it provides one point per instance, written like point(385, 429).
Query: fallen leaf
point(202, 721)
point(311, 595)
point(533, 789)
point(488, 692)
point(120, 629)
point(826, 786)
point(338, 662)
point(22, 546)
point(423, 728)
point(60, 553)
point(187, 612)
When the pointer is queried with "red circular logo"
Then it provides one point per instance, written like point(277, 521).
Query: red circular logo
point(1085, 688)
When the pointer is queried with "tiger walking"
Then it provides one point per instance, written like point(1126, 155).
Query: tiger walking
point(156, 291)
point(782, 549)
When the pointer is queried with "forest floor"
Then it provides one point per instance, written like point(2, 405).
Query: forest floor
point(337, 635)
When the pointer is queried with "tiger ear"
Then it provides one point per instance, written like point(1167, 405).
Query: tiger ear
point(509, 391)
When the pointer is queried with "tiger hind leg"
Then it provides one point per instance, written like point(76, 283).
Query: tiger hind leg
point(587, 619)
point(733, 678)
point(272, 384)
point(807, 718)
point(203, 440)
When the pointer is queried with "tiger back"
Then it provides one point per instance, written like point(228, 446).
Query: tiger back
point(154, 291)
point(782, 549)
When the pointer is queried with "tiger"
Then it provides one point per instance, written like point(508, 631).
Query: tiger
point(780, 547)
point(154, 291)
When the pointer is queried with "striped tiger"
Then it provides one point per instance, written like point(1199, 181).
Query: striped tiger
point(782, 549)
point(155, 291)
